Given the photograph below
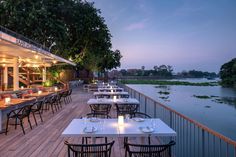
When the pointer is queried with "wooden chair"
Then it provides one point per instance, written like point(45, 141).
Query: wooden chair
point(19, 115)
point(123, 109)
point(37, 109)
point(100, 108)
point(139, 150)
point(87, 150)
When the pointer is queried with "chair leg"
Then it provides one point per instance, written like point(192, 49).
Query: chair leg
point(65, 100)
point(29, 123)
point(52, 108)
point(7, 125)
point(70, 98)
point(15, 123)
point(40, 116)
point(21, 124)
point(149, 140)
point(35, 119)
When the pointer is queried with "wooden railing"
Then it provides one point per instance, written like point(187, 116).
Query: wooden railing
point(193, 138)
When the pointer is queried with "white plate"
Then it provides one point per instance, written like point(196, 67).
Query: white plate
point(147, 129)
point(94, 119)
point(138, 119)
point(90, 129)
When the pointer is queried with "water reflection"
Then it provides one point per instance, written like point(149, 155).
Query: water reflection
point(218, 111)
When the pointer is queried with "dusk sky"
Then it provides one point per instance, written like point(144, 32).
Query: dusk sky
point(187, 34)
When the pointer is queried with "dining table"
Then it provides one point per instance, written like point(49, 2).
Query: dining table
point(135, 127)
point(111, 94)
point(16, 103)
point(102, 89)
point(113, 101)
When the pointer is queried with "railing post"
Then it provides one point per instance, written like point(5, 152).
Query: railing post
point(139, 99)
point(203, 143)
point(155, 109)
point(145, 103)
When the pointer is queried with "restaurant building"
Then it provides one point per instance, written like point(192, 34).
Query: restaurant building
point(24, 62)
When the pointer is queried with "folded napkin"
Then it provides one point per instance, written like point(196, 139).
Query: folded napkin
point(94, 119)
point(90, 129)
point(138, 119)
point(146, 129)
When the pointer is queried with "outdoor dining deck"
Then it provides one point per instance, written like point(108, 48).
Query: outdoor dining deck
point(45, 139)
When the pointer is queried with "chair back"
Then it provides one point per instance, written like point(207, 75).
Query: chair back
point(140, 115)
point(97, 115)
point(25, 111)
point(53, 99)
point(37, 105)
point(123, 109)
point(138, 150)
point(69, 92)
point(89, 150)
point(100, 108)
point(124, 96)
point(102, 96)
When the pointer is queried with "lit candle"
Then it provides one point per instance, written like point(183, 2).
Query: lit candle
point(22, 87)
point(120, 120)
point(39, 92)
point(7, 100)
point(56, 89)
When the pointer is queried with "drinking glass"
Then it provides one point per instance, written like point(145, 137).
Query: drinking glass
point(153, 123)
point(127, 117)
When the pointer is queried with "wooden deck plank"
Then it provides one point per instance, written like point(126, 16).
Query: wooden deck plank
point(45, 139)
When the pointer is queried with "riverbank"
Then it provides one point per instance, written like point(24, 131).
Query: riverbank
point(169, 82)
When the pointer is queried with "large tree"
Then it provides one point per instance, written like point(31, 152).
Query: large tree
point(228, 73)
point(74, 27)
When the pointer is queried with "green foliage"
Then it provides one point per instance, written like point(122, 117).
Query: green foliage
point(164, 92)
point(202, 96)
point(48, 83)
point(228, 73)
point(197, 74)
point(162, 82)
point(74, 27)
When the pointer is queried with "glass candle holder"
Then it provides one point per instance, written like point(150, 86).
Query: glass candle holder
point(120, 120)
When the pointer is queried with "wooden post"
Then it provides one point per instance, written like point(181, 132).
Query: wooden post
point(15, 74)
point(5, 77)
point(44, 74)
point(28, 78)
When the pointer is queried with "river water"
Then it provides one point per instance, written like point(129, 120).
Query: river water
point(217, 111)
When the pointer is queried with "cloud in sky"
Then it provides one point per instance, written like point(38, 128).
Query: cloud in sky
point(136, 25)
point(186, 34)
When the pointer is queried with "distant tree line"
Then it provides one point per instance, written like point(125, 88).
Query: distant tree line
point(163, 71)
point(228, 73)
point(197, 74)
point(166, 71)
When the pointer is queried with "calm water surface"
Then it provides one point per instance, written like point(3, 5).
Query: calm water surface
point(218, 112)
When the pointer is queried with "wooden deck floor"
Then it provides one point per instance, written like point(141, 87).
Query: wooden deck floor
point(45, 139)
